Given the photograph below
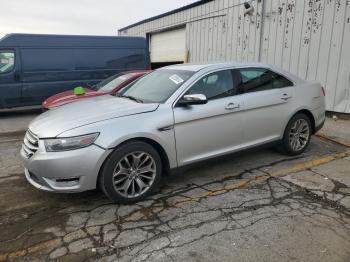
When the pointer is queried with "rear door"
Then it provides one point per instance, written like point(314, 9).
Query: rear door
point(268, 102)
point(10, 80)
point(212, 129)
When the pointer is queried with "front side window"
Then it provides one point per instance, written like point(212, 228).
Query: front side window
point(215, 85)
point(261, 79)
point(157, 86)
point(7, 61)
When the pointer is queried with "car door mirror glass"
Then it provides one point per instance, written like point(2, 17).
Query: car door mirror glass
point(193, 99)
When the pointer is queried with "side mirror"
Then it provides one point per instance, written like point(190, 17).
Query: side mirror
point(196, 99)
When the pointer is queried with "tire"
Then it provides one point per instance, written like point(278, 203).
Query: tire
point(129, 164)
point(297, 135)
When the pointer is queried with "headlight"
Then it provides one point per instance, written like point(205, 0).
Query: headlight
point(69, 143)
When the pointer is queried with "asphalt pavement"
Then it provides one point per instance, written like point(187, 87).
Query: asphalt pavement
point(257, 205)
point(15, 122)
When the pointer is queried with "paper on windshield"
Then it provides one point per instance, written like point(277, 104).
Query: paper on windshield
point(176, 79)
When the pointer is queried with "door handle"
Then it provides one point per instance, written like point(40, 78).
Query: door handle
point(17, 76)
point(285, 97)
point(231, 106)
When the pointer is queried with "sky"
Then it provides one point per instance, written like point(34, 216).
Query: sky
point(83, 17)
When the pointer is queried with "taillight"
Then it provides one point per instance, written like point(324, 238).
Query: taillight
point(323, 91)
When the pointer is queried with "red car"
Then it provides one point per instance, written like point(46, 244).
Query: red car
point(108, 86)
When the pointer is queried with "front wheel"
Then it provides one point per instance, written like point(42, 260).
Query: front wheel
point(297, 135)
point(131, 173)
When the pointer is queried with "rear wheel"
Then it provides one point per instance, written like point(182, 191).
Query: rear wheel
point(297, 135)
point(131, 173)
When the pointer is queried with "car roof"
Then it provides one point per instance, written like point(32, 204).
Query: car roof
point(198, 67)
point(44, 40)
point(218, 66)
point(135, 72)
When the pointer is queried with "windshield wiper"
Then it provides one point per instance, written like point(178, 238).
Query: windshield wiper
point(138, 100)
point(93, 87)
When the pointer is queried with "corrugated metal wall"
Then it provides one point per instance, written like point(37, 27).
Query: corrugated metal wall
point(310, 38)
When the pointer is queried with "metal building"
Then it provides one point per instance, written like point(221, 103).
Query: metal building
point(310, 38)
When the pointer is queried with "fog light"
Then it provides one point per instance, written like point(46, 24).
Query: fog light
point(60, 183)
point(72, 179)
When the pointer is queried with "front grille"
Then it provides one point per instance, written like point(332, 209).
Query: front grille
point(30, 144)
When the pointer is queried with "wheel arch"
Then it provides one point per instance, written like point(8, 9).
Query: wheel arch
point(158, 147)
point(310, 116)
point(161, 151)
point(306, 112)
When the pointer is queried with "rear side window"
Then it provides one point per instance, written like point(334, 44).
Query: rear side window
point(7, 61)
point(215, 85)
point(261, 79)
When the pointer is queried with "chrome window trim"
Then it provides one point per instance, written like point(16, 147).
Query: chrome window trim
point(268, 68)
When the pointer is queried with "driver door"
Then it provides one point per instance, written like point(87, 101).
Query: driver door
point(212, 129)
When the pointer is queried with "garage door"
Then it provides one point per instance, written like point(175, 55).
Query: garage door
point(168, 46)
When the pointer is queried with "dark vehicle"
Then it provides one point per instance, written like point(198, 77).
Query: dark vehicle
point(35, 67)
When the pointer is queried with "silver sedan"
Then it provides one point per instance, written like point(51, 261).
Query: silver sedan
point(172, 117)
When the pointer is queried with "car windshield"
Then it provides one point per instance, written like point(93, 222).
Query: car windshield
point(157, 86)
point(112, 82)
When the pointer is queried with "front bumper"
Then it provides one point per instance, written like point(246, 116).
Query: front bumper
point(67, 171)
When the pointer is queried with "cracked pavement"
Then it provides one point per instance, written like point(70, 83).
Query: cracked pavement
point(258, 205)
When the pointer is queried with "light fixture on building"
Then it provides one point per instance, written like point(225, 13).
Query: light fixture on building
point(249, 8)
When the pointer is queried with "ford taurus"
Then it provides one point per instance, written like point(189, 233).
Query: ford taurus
point(170, 118)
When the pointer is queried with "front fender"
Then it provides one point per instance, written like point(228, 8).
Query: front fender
point(146, 125)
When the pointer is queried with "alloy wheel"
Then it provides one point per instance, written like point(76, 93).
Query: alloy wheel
point(134, 174)
point(299, 134)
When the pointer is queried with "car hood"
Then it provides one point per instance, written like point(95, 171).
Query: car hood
point(85, 112)
point(68, 97)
